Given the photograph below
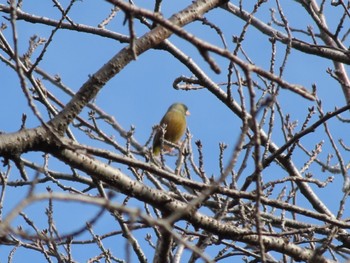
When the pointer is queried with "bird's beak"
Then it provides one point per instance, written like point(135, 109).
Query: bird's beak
point(188, 113)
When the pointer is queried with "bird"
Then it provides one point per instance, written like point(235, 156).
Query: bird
point(175, 122)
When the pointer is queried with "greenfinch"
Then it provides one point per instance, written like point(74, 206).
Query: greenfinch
point(175, 122)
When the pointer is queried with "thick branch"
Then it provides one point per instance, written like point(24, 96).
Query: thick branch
point(169, 205)
point(90, 88)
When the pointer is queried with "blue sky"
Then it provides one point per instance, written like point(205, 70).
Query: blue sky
point(142, 92)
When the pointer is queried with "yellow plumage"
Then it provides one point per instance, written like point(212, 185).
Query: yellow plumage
point(175, 121)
